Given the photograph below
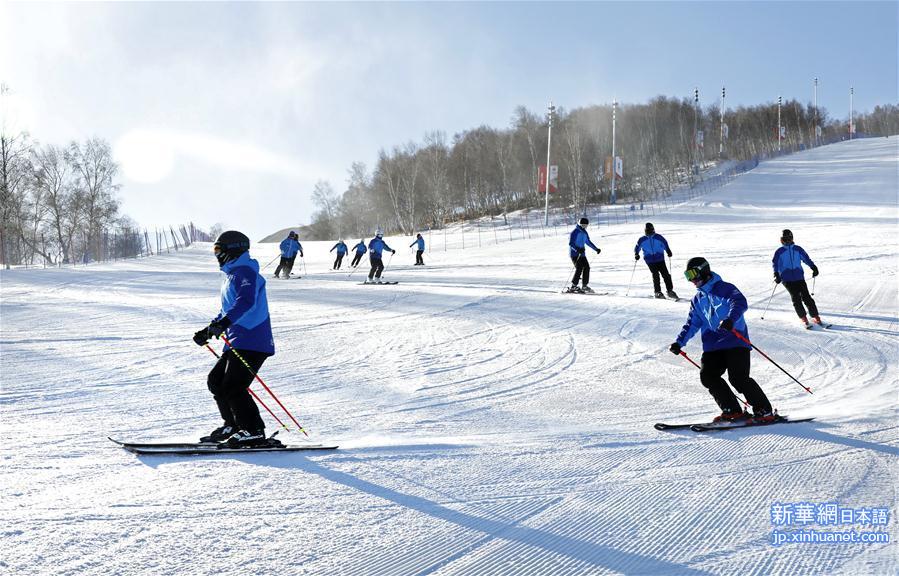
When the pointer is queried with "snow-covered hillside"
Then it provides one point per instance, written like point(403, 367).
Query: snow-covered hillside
point(488, 424)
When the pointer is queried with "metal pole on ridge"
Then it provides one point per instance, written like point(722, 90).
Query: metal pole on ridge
point(267, 389)
point(258, 399)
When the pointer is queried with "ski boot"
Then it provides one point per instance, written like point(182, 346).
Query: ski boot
point(244, 439)
point(660, 295)
point(671, 294)
point(818, 321)
point(587, 290)
point(573, 289)
point(763, 416)
point(805, 323)
point(220, 434)
point(728, 416)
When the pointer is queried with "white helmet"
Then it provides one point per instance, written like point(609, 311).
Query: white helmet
point(379, 232)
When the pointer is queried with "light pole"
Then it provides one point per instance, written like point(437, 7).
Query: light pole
point(851, 92)
point(549, 136)
point(721, 137)
point(779, 129)
point(696, 130)
point(816, 110)
point(614, 110)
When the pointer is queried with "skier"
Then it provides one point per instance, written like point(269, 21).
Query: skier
point(289, 248)
point(341, 252)
point(419, 261)
point(717, 311)
point(360, 249)
point(654, 248)
point(787, 263)
point(375, 247)
point(577, 243)
point(244, 319)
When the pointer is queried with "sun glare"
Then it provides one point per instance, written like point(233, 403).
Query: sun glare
point(144, 156)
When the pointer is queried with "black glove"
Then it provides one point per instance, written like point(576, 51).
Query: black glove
point(301, 255)
point(675, 349)
point(777, 277)
point(394, 251)
point(598, 250)
point(201, 337)
point(727, 325)
point(636, 256)
point(670, 254)
point(217, 327)
point(814, 271)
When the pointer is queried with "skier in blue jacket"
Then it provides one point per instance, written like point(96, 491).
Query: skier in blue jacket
point(654, 248)
point(787, 263)
point(577, 243)
point(717, 312)
point(375, 248)
point(289, 248)
point(360, 249)
point(341, 252)
point(245, 322)
point(420, 242)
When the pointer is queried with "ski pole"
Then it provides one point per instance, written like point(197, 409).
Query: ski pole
point(303, 258)
point(250, 390)
point(631, 281)
point(814, 278)
point(769, 302)
point(754, 347)
point(684, 354)
point(267, 389)
point(270, 263)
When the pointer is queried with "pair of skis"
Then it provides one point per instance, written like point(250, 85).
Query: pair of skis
point(377, 283)
point(716, 426)
point(194, 448)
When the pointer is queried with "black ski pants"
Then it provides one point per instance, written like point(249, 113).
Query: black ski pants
point(659, 269)
point(228, 381)
point(286, 265)
point(356, 259)
point(581, 266)
point(377, 266)
point(338, 261)
point(419, 261)
point(798, 290)
point(735, 361)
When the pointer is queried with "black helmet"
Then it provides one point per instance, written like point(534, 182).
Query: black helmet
point(584, 221)
point(292, 234)
point(650, 229)
point(698, 267)
point(230, 245)
point(786, 236)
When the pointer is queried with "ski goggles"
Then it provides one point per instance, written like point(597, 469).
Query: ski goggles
point(692, 274)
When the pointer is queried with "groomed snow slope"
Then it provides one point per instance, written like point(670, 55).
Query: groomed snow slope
point(488, 424)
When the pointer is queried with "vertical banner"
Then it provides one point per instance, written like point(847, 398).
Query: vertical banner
point(783, 132)
point(700, 139)
point(619, 168)
point(553, 179)
point(725, 130)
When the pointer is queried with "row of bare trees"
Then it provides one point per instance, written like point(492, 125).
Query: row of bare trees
point(58, 204)
point(491, 171)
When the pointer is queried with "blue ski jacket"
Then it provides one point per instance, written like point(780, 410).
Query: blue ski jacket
point(360, 247)
point(377, 245)
point(578, 239)
point(654, 247)
point(341, 248)
point(290, 247)
point(420, 242)
point(245, 305)
point(714, 301)
point(788, 261)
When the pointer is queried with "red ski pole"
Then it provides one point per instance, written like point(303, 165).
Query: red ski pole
point(250, 390)
point(684, 354)
point(267, 389)
point(754, 347)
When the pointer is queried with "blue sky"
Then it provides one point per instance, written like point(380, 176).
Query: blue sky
point(229, 112)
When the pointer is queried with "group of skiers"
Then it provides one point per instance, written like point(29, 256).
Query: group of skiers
point(716, 312)
point(291, 246)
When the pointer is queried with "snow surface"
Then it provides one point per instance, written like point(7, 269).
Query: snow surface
point(488, 424)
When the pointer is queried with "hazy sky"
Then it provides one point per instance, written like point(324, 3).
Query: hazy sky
point(229, 112)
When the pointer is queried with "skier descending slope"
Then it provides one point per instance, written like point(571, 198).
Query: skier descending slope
point(245, 322)
point(341, 252)
point(717, 311)
point(289, 248)
point(360, 249)
point(654, 248)
point(375, 248)
point(787, 263)
point(577, 246)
